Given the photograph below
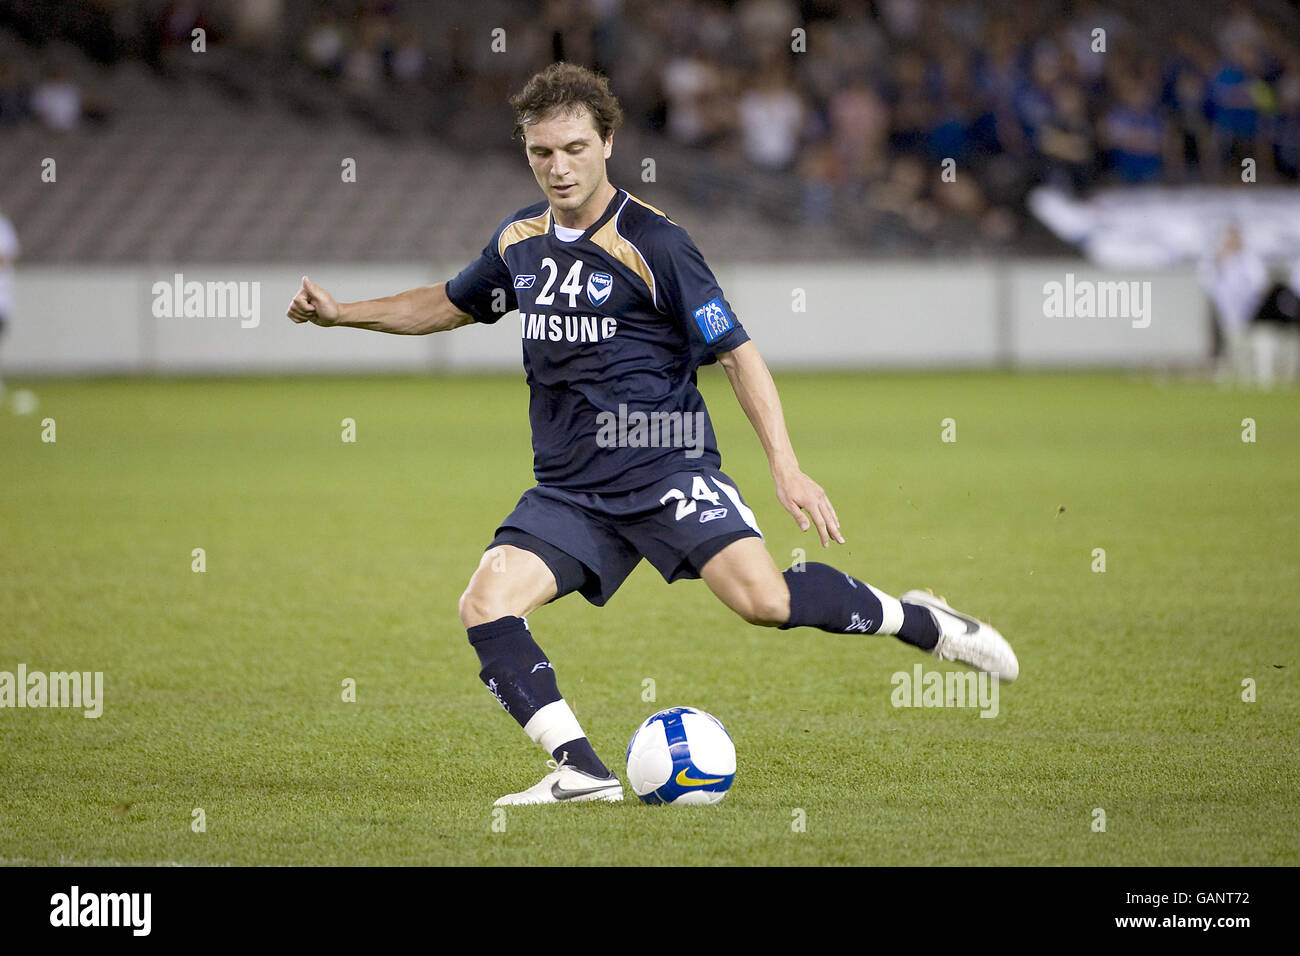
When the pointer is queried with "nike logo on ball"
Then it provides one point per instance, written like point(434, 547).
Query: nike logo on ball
point(686, 781)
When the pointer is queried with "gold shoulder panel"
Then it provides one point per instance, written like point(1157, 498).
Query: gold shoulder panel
point(611, 240)
point(522, 229)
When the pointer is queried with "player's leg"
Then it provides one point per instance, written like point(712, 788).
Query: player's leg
point(510, 583)
point(703, 528)
point(745, 578)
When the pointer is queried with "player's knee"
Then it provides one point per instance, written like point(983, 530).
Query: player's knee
point(477, 608)
point(765, 607)
point(478, 605)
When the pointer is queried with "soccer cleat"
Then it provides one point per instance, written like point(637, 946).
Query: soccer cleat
point(964, 639)
point(566, 784)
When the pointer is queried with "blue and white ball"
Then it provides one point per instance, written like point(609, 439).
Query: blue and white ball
point(681, 756)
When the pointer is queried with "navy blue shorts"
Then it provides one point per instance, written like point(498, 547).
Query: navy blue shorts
point(591, 542)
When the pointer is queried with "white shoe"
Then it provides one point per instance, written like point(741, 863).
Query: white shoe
point(564, 784)
point(964, 639)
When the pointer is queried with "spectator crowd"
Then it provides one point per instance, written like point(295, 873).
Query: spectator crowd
point(921, 110)
point(863, 103)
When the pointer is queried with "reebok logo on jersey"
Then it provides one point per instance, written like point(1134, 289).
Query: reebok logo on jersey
point(525, 282)
point(712, 513)
point(713, 319)
point(599, 286)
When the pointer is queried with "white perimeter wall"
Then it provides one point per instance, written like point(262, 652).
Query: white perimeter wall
point(69, 320)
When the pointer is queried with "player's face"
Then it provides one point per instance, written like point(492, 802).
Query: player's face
point(568, 161)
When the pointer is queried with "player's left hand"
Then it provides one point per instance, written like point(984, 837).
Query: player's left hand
point(799, 493)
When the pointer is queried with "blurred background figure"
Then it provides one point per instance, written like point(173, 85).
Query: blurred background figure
point(692, 87)
point(175, 28)
point(1236, 280)
point(771, 115)
point(363, 69)
point(1067, 142)
point(325, 44)
point(1291, 358)
point(9, 251)
point(56, 101)
point(1135, 134)
point(1275, 332)
point(409, 55)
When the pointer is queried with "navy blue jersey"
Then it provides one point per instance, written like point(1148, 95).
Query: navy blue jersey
point(614, 326)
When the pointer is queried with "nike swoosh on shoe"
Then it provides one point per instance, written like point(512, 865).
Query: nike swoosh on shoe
point(559, 793)
point(972, 625)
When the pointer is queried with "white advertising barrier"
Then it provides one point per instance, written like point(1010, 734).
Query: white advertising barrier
point(75, 319)
point(1068, 313)
point(70, 320)
point(874, 315)
point(213, 319)
point(226, 339)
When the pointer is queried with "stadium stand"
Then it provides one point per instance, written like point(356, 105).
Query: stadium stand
point(234, 154)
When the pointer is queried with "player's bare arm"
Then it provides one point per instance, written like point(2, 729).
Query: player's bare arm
point(752, 382)
point(414, 312)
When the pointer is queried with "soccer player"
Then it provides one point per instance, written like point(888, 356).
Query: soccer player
point(617, 310)
point(9, 251)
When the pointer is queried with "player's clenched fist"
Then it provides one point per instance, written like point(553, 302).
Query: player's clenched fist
point(313, 304)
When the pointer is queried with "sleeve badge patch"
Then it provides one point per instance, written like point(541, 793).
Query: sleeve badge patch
point(713, 319)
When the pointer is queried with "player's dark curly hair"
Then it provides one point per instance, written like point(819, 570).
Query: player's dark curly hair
point(562, 87)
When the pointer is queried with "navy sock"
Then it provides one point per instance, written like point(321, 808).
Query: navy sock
point(514, 668)
point(578, 753)
point(919, 628)
point(519, 676)
point(825, 598)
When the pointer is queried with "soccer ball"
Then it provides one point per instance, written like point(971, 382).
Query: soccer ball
point(681, 755)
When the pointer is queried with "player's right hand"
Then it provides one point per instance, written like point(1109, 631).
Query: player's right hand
point(313, 304)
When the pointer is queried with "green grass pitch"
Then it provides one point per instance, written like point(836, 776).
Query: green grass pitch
point(328, 560)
